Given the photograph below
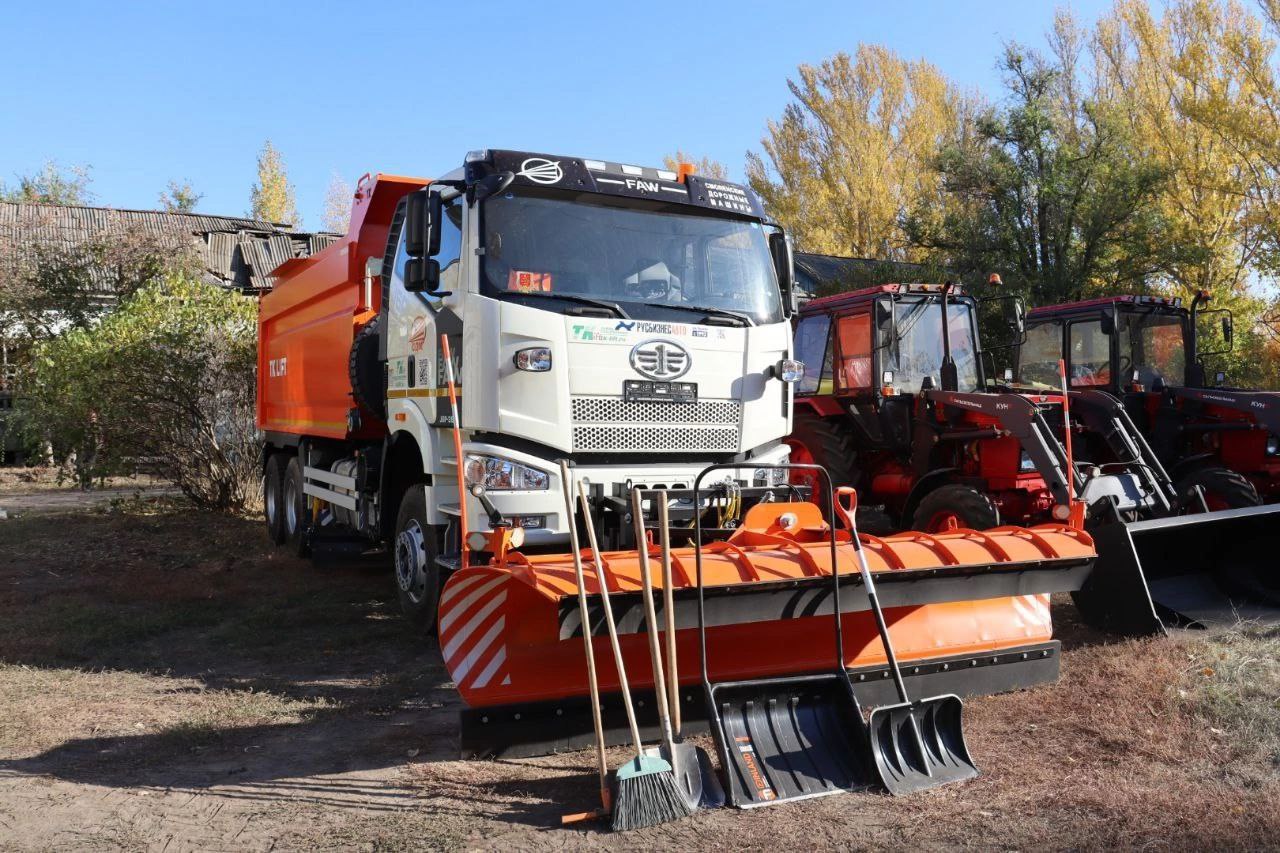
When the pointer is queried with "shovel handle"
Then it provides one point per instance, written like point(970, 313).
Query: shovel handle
point(584, 616)
point(669, 608)
point(651, 618)
point(846, 502)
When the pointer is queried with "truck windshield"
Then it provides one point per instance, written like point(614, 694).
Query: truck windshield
point(917, 353)
point(650, 260)
point(1154, 347)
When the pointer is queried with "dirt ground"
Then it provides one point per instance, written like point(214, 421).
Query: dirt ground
point(169, 681)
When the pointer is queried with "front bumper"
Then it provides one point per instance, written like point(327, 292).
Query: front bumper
point(609, 485)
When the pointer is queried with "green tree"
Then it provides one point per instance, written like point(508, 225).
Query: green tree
point(180, 198)
point(51, 185)
point(1046, 190)
point(167, 377)
point(272, 195)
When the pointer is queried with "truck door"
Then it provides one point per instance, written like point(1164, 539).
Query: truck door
point(415, 367)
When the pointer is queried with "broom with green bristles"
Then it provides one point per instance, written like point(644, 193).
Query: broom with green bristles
point(647, 791)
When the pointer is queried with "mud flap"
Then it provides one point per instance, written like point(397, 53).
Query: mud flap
point(789, 739)
point(1203, 570)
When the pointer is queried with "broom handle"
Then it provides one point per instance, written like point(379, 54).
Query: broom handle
point(586, 635)
point(669, 606)
point(608, 617)
point(651, 619)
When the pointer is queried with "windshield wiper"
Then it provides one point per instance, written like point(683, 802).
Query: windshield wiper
point(738, 319)
point(612, 307)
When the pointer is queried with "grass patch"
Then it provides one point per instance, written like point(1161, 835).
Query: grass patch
point(1233, 683)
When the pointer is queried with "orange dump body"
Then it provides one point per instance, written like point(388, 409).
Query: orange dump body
point(307, 323)
point(511, 632)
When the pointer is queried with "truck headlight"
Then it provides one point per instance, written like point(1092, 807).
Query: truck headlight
point(1273, 445)
point(533, 359)
point(789, 370)
point(498, 474)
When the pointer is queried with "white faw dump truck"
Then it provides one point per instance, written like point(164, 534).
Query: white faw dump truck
point(634, 321)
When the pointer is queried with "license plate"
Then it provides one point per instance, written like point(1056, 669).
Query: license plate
point(642, 391)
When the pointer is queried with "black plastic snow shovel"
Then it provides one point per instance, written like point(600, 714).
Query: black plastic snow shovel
point(915, 745)
point(789, 737)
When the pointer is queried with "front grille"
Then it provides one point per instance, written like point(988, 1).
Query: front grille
point(612, 424)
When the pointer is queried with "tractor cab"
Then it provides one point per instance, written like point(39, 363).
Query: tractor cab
point(1133, 347)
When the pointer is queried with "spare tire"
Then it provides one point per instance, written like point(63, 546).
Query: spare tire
point(365, 366)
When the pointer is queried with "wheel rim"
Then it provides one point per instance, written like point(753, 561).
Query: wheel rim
point(411, 562)
point(801, 455)
point(270, 500)
point(944, 520)
point(291, 506)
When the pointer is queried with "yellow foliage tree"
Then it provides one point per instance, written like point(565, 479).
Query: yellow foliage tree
point(853, 152)
point(272, 196)
point(702, 165)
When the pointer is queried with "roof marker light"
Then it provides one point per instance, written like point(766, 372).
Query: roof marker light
point(666, 176)
point(594, 165)
point(632, 170)
point(685, 170)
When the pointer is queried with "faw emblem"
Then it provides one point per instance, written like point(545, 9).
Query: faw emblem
point(659, 359)
point(541, 171)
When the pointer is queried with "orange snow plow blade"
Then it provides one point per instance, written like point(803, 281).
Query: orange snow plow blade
point(967, 609)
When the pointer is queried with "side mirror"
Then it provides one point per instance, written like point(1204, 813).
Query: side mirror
point(1108, 322)
point(1017, 317)
point(422, 275)
point(1228, 331)
point(784, 264)
point(415, 224)
point(422, 224)
point(887, 320)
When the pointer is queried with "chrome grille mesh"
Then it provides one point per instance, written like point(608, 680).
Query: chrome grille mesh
point(612, 424)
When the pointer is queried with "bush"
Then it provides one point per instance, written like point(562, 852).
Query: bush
point(166, 381)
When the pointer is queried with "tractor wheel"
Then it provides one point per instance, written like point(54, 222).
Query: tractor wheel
point(273, 497)
point(417, 545)
point(296, 514)
point(955, 506)
point(821, 441)
point(1223, 489)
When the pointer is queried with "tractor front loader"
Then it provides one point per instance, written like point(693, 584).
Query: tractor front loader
point(939, 451)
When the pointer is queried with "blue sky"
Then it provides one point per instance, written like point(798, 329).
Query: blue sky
point(143, 93)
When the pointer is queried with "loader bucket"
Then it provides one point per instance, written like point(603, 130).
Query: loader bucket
point(1200, 571)
point(920, 744)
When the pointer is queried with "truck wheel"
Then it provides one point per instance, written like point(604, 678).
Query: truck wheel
point(296, 517)
point(955, 506)
point(416, 547)
point(273, 497)
point(1223, 489)
point(819, 441)
point(368, 385)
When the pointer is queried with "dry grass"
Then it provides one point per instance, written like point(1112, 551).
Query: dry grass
point(155, 650)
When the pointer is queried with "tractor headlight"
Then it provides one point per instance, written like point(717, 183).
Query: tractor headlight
point(498, 474)
point(1273, 445)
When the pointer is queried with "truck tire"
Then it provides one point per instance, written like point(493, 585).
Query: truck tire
point(1223, 489)
point(365, 368)
point(955, 505)
point(821, 441)
point(273, 497)
point(417, 544)
point(297, 520)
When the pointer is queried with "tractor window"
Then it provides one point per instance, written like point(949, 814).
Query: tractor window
point(1090, 355)
point(1153, 346)
point(917, 350)
point(855, 352)
point(813, 347)
point(1038, 357)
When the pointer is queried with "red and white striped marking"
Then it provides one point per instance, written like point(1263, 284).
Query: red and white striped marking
point(472, 622)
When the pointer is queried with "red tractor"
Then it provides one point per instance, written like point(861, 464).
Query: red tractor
point(896, 402)
point(1147, 352)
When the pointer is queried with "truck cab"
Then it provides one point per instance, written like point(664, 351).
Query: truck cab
point(634, 321)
